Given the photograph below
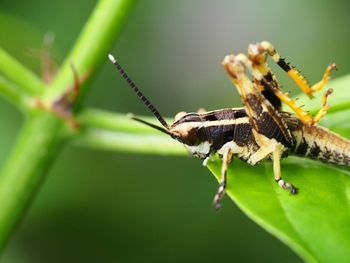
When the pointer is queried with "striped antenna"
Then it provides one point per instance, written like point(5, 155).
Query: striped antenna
point(132, 84)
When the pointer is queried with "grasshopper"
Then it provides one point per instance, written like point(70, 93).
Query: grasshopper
point(259, 130)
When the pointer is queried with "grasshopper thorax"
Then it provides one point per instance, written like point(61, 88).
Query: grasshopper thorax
point(206, 132)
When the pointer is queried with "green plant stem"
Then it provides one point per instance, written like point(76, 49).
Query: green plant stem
point(35, 149)
point(116, 132)
point(113, 121)
point(42, 135)
point(15, 71)
point(129, 143)
point(12, 93)
point(93, 44)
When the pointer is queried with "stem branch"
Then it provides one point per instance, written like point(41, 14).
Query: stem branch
point(12, 93)
point(23, 77)
point(116, 132)
point(36, 146)
point(44, 133)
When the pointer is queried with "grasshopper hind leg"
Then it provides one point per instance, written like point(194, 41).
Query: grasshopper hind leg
point(262, 73)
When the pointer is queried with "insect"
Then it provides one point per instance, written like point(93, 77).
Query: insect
point(260, 129)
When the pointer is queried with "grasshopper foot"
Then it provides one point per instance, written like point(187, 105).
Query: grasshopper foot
point(285, 185)
point(219, 195)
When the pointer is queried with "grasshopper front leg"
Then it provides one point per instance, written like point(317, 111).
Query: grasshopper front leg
point(226, 159)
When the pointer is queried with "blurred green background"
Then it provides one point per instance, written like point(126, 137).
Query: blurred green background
point(114, 207)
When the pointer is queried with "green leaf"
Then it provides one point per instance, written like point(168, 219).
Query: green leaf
point(316, 222)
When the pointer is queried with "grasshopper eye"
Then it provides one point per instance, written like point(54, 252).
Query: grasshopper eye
point(179, 115)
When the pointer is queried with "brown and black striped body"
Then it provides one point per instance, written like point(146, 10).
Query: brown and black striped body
point(324, 145)
point(206, 133)
point(317, 142)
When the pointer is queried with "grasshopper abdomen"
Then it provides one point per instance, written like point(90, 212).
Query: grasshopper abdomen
point(319, 143)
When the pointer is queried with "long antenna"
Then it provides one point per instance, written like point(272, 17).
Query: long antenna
point(132, 84)
point(159, 128)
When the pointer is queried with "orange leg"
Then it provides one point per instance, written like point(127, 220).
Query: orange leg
point(299, 79)
point(304, 86)
point(260, 70)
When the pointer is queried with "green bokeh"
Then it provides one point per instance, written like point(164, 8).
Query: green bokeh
point(114, 207)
